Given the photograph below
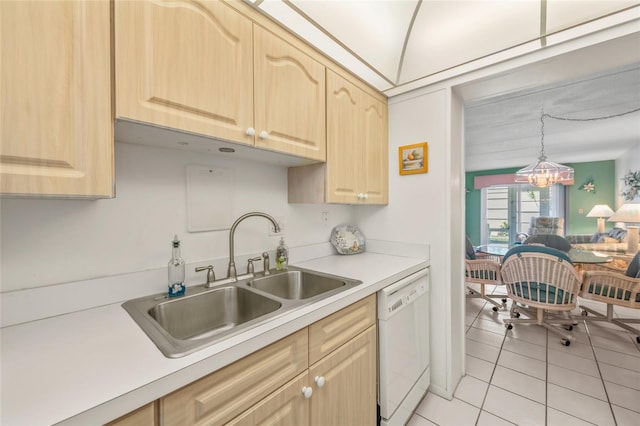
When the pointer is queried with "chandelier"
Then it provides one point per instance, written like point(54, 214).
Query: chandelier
point(544, 173)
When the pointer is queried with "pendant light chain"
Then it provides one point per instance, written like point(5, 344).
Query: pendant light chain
point(588, 119)
point(542, 115)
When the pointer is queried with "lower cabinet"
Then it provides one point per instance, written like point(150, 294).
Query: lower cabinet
point(143, 416)
point(338, 390)
point(324, 374)
point(221, 396)
point(348, 377)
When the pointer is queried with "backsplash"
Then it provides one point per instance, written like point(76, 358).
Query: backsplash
point(46, 242)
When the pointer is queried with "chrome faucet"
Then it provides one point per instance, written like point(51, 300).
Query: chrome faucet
point(231, 270)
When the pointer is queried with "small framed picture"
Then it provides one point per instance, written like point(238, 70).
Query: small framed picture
point(413, 158)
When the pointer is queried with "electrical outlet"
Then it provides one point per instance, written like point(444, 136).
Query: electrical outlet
point(325, 218)
point(280, 221)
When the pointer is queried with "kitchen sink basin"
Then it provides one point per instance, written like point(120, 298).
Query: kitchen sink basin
point(298, 284)
point(206, 315)
point(211, 313)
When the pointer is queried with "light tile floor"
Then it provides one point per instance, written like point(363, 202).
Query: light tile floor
point(525, 376)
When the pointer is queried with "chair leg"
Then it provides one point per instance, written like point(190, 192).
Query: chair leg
point(538, 316)
point(489, 297)
point(622, 323)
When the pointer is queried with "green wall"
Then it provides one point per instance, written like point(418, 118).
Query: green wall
point(579, 202)
point(601, 172)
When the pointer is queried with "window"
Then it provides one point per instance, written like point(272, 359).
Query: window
point(507, 209)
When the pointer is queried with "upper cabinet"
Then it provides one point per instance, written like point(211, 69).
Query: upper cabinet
point(202, 67)
point(357, 170)
point(289, 98)
point(55, 78)
point(185, 65)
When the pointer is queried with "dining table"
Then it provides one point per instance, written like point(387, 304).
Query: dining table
point(577, 256)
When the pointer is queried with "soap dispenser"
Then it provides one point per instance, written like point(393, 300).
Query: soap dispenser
point(282, 256)
point(176, 270)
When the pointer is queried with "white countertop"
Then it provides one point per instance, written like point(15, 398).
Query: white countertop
point(95, 365)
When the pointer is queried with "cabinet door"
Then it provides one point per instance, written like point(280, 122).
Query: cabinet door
point(348, 396)
point(345, 158)
point(289, 98)
point(186, 65)
point(56, 124)
point(375, 151)
point(286, 406)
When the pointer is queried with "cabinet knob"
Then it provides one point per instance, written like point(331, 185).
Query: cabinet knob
point(319, 381)
point(307, 392)
point(359, 196)
point(251, 131)
point(264, 135)
point(365, 196)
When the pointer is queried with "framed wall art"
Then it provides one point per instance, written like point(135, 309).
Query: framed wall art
point(413, 159)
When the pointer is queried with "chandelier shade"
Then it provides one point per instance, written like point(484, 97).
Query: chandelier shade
point(544, 173)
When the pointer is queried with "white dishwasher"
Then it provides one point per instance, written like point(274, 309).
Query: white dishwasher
point(403, 347)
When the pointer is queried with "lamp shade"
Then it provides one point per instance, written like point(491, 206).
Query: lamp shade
point(628, 213)
point(600, 210)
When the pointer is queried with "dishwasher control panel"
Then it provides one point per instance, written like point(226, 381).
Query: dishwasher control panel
point(397, 296)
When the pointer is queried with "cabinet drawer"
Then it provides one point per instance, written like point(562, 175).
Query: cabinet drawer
point(143, 416)
point(221, 396)
point(335, 330)
point(286, 406)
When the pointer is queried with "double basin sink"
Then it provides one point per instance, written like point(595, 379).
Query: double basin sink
point(207, 315)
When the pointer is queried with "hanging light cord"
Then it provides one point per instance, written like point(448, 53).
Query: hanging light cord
point(543, 115)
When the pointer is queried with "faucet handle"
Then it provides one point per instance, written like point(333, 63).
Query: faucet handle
point(265, 264)
point(211, 276)
point(250, 261)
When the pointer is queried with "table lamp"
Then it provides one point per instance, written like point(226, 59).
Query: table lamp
point(600, 211)
point(630, 214)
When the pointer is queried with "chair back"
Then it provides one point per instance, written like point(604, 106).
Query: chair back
point(546, 225)
point(550, 240)
point(540, 277)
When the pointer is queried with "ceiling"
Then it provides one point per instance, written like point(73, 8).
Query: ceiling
point(398, 45)
point(506, 131)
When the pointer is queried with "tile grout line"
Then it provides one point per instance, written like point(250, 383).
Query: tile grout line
point(595, 356)
point(495, 365)
point(546, 380)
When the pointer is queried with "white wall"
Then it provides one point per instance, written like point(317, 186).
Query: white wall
point(46, 242)
point(629, 161)
point(420, 211)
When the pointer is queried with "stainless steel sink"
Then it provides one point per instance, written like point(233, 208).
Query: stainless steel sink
point(207, 315)
point(298, 285)
point(214, 312)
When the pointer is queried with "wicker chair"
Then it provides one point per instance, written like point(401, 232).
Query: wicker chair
point(614, 289)
point(483, 269)
point(543, 285)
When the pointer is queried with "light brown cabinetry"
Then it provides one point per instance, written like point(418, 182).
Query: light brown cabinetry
point(202, 67)
point(348, 396)
point(356, 171)
point(286, 406)
point(56, 124)
point(143, 416)
point(221, 396)
point(185, 65)
point(289, 98)
point(333, 360)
